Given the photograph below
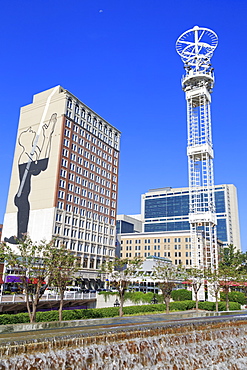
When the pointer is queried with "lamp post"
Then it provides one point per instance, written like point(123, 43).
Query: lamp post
point(154, 300)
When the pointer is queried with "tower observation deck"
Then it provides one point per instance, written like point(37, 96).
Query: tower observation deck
point(196, 47)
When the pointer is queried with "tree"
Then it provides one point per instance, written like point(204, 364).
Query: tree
point(214, 285)
point(230, 269)
point(120, 273)
point(32, 261)
point(62, 268)
point(168, 276)
point(230, 257)
point(228, 275)
point(196, 277)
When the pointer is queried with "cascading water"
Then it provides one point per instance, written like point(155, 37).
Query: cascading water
point(188, 346)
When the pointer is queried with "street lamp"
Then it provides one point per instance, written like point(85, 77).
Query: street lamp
point(116, 303)
point(154, 300)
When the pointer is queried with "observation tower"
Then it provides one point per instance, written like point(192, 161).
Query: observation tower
point(196, 47)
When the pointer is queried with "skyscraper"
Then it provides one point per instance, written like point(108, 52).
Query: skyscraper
point(64, 178)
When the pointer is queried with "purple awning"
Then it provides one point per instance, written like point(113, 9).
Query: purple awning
point(13, 279)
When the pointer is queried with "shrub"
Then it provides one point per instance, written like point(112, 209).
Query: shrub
point(234, 297)
point(94, 313)
point(19, 318)
point(208, 306)
point(181, 295)
point(233, 306)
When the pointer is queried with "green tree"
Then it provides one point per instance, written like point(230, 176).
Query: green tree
point(196, 278)
point(62, 267)
point(32, 261)
point(120, 273)
point(214, 286)
point(231, 268)
point(227, 275)
point(229, 256)
point(168, 277)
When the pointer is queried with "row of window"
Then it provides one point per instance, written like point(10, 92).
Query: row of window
point(86, 173)
point(87, 164)
point(87, 204)
point(84, 193)
point(86, 248)
point(75, 234)
point(82, 212)
point(81, 223)
point(86, 183)
point(155, 247)
point(80, 111)
point(166, 240)
point(79, 143)
point(188, 262)
point(78, 190)
point(92, 137)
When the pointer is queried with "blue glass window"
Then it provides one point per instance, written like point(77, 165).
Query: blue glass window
point(221, 229)
point(167, 226)
point(167, 207)
point(220, 202)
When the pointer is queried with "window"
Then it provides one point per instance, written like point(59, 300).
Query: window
point(69, 103)
point(62, 184)
point(64, 162)
point(66, 142)
point(67, 133)
point(65, 152)
point(61, 194)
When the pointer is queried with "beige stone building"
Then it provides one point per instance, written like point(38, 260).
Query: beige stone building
point(64, 178)
point(173, 245)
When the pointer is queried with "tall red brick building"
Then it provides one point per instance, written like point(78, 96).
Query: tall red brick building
point(64, 179)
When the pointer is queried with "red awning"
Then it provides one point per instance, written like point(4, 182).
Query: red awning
point(230, 283)
point(35, 281)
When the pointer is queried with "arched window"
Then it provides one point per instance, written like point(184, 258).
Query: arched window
point(110, 133)
point(95, 122)
point(89, 117)
point(100, 126)
point(83, 113)
point(105, 130)
point(77, 109)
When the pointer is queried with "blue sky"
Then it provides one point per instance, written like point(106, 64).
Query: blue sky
point(119, 58)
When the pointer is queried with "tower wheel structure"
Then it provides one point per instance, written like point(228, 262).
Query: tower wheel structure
point(196, 47)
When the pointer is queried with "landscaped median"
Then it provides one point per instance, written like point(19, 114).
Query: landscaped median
point(94, 313)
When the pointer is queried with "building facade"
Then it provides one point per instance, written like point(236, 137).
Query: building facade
point(167, 210)
point(64, 178)
point(129, 224)
point(175, 246)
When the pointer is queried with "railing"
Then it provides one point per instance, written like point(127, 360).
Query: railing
point(69, 296)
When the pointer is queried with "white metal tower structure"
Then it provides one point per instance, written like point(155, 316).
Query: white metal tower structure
point(196, 47)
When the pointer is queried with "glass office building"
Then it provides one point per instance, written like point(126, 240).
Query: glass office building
point(167, 209)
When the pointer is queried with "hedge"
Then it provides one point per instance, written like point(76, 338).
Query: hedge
point(181, 295)
point(234, 297)
point(94, 313)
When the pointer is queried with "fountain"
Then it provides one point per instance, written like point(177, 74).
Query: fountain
point(187, 344)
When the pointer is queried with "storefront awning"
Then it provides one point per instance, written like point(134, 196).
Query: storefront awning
point(13, 279)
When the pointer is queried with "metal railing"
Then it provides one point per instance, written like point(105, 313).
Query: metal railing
point(68, 296)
